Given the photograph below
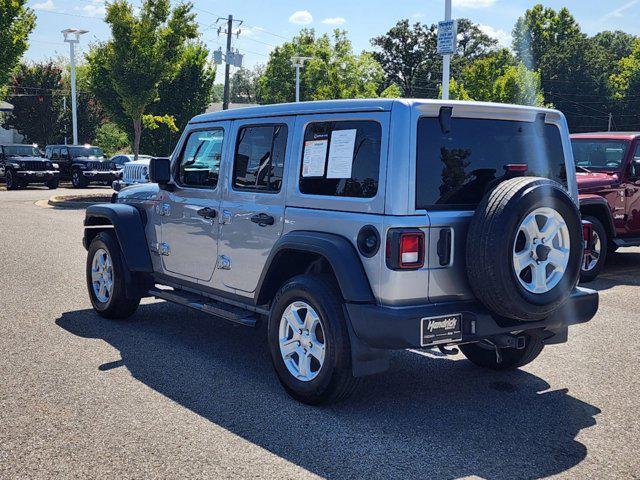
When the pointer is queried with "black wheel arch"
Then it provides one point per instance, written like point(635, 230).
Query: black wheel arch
point(598, 207)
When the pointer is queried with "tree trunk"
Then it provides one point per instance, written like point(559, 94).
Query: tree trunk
point(137, 133)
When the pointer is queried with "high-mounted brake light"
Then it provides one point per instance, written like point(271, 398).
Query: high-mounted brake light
point(405, 249)
point(517, 167)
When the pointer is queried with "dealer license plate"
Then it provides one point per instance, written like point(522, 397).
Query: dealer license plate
point(443, 329)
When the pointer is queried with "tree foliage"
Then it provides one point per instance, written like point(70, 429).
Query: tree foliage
point(144, 51)
point(625, 84)
point(245, 85)
point(333, 71)
point(16, 23)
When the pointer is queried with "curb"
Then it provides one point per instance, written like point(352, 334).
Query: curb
point(64, 201)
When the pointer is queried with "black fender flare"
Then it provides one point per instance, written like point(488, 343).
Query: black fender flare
point(339, 253)
point(128, 223)
point(601, 204)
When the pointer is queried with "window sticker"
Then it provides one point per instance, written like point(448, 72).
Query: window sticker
point(315, 154)
point(341, 153)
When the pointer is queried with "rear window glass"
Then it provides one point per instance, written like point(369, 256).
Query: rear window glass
point(599, 154)
point(341, 159)
point(456, 169)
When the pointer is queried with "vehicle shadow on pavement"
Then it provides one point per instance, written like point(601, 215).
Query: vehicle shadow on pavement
point(428, 417)
point(622, 268)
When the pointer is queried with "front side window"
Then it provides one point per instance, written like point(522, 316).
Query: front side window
point(456, 167)
point(259, 158)
point(341, 159)
point(86, 152)
point(199, 164)
point(599, 154)
point(21, 151)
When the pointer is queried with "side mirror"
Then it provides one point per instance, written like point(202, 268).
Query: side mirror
point(160, 171)
point(635, 169)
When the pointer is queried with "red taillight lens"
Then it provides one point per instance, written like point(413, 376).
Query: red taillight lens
point(405, 249)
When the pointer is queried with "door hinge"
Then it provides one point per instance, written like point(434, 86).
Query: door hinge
point(160, 248)
point(224, 262)
point(163, 209)
point(225, 218)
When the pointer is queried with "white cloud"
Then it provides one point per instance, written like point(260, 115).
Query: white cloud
point(301, 17)
point(334, 21)
point(504, 38)
point(97, 9)
point(473, 3)
point(617, 13)
point(417, 15)
point(252, 32)
point(48, 5)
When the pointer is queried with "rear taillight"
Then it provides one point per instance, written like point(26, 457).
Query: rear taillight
point(405, 249)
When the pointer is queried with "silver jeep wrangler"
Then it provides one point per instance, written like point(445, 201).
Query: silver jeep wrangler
point(355, 227)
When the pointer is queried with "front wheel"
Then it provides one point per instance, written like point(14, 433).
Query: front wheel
point(106, 279)
point(595, 251)
point(77, 180)
point(484, 355)
point(11, 180)
point(309, 341)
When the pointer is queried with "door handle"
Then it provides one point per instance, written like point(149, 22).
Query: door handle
point(207, 212)
point(263, 219)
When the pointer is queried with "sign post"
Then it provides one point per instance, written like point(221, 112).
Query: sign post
point(447, 43)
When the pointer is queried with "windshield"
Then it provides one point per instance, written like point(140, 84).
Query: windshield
point(21, 151)
point(599, 154)
point(86, 152)
point(456, 169)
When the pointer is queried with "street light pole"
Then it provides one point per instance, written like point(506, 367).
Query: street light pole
point(446, 59)
point(72, 36)
point(298, 63)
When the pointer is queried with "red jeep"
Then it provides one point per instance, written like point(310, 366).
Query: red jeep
point(608, 173)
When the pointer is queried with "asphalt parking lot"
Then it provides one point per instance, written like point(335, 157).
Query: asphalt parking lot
point(174, 393)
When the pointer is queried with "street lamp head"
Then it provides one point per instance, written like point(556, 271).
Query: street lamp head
point(73, 34)
point(299, 61)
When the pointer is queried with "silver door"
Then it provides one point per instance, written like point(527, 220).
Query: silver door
point(252, 212)
point(189, 245)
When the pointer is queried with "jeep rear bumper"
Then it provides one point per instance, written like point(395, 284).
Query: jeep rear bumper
point(396, 328)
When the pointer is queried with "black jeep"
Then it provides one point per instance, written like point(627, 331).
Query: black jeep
point(21, 165)
point(82, 164)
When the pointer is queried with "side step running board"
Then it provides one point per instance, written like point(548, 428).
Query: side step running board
point(207, 305)
point(627, 242)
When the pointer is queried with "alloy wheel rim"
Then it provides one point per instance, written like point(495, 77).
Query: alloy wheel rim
point(102, 275)
point(302, 341)
point(541, 250)
point(592, 255)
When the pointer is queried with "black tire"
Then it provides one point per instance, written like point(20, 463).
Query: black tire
point(11, 181)
point(118, 306)
point(52, 184)
point(334, 380)
point(491, 241)
point(601, 232)
point(77, 180)
point(485, 356)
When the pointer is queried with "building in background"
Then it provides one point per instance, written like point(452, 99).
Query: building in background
point(8, 136)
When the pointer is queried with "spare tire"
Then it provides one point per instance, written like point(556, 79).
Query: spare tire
point(524, 248)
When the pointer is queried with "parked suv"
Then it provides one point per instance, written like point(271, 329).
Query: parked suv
point(608, 175)
point(82, 164)
point(21, 165)
point(354, 227)
point(133, 171)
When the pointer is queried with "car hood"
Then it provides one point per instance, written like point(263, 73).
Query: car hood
point(138, 193)
point(139, 162)
point(90, 159)
point(595, 180)
point(27, 159)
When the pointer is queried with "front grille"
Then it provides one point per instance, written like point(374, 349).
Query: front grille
point(34, 165)
point(100, 166)
point(135, 173)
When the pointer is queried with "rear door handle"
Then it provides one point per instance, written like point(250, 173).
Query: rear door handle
point(263, 219)
point(207, 212)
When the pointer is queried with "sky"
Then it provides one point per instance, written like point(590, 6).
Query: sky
point(269, 23)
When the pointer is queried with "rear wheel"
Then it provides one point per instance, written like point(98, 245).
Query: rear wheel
point(309, 342)
point(484, 354)
point(77, 180)
point(595, 252)
point(106, 279)
point(53, 184)
point(11, 181)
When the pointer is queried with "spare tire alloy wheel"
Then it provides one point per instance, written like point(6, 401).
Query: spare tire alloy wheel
point(541, 250)
point(302, 341)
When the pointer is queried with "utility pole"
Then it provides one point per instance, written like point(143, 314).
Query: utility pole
point(298, 63)
point(230, 57)
point(446, 59)
point(64, 112)
point(72, 40)
point(610, 121)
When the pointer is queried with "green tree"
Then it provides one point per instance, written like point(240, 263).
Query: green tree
point(16, 23)
point(111, 138)
point(625, 84)
point(245, 85)
point(38, 91)
point(144, 51)
point(334, 71)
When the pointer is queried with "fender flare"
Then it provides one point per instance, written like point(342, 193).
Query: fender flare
point(601, 203)
point(128, 223)
point(339, 253)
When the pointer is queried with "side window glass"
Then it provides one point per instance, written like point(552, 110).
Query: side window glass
point(56, 153)
point(637, 154)
point(259, 158)
point(64, 152)
point(199, 164)
point(341, 159)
